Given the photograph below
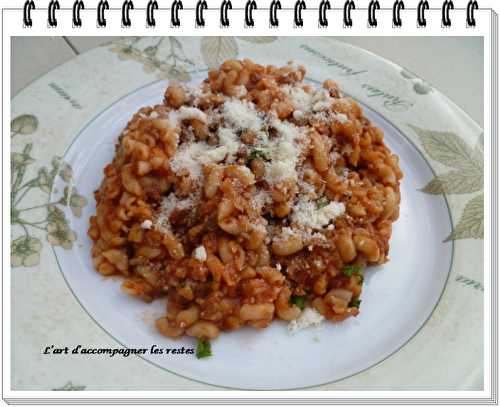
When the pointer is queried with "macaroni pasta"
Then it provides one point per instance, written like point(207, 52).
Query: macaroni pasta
point(235, 195)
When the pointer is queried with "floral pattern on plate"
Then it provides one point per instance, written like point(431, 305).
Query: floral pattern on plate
point(25, 249)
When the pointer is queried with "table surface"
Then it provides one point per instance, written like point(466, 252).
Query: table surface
point(452, 65)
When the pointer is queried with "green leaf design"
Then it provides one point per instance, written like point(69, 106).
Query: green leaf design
point(447, 148)
point(18, 164)
point(73, 200)
point(422, 88)
point(216, 50)
point(62, 168)
point(259, 40)
point(472, 223)
point(24, 251)
point(176, 42)
point(60, 234)
point(150, 51)
point(69, 387)
point(24, 124)
point(407, 74)
point(174, 74)
point(455, 182)
point(45, 181)
point(450, 149)
point(419, 86)
point(478, 156)
point(18, 161)
point(56, 215)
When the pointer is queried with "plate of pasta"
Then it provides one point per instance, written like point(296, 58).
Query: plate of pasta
point(232, 282)
point(259, 226)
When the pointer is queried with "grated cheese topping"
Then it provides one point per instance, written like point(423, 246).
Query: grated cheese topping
point(286, 233)
point(298, 114)
point(193, 157)
point(146, 224)
point(200, 253)
point(308, 214)
point(241, 115)
point(193, 91)
point(284, 145)
point(308, 318)
point(285, 150)
point(189, 113)
point(317, 104)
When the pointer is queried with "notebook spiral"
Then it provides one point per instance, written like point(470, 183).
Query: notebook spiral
point(103, 5)
point(274, 8)
point(396, 13)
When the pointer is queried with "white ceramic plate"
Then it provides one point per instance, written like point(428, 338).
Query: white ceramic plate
point(399, 300)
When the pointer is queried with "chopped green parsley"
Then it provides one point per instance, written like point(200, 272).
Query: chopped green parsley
point(269, 129)
point(210, 226)
point(355, 269)
point(355, 302)
point(266, 156)
point(204, 348)
point(298, 300)
point(322, 202)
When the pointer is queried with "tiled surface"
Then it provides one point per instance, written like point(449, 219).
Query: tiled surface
point(82, 44)
point(34, 56)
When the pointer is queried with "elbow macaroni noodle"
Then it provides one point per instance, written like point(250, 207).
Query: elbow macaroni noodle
point(277, 183)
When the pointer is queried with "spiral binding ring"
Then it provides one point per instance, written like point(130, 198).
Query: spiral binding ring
point(445, 19)
point(103, 5)
point(323, 6)
point(297, 13)
point(53, 6)
point(77, 6)
point(374, 5)
point(174, 18)
point(150, 20)
point(471, 6)
point(127, 5)
point(423, 5)
point(273, 13)
point(396, 18)
point(200, 6)
point(251, 5)
point(226, 4)
point(348, 6)
point(28, 6)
